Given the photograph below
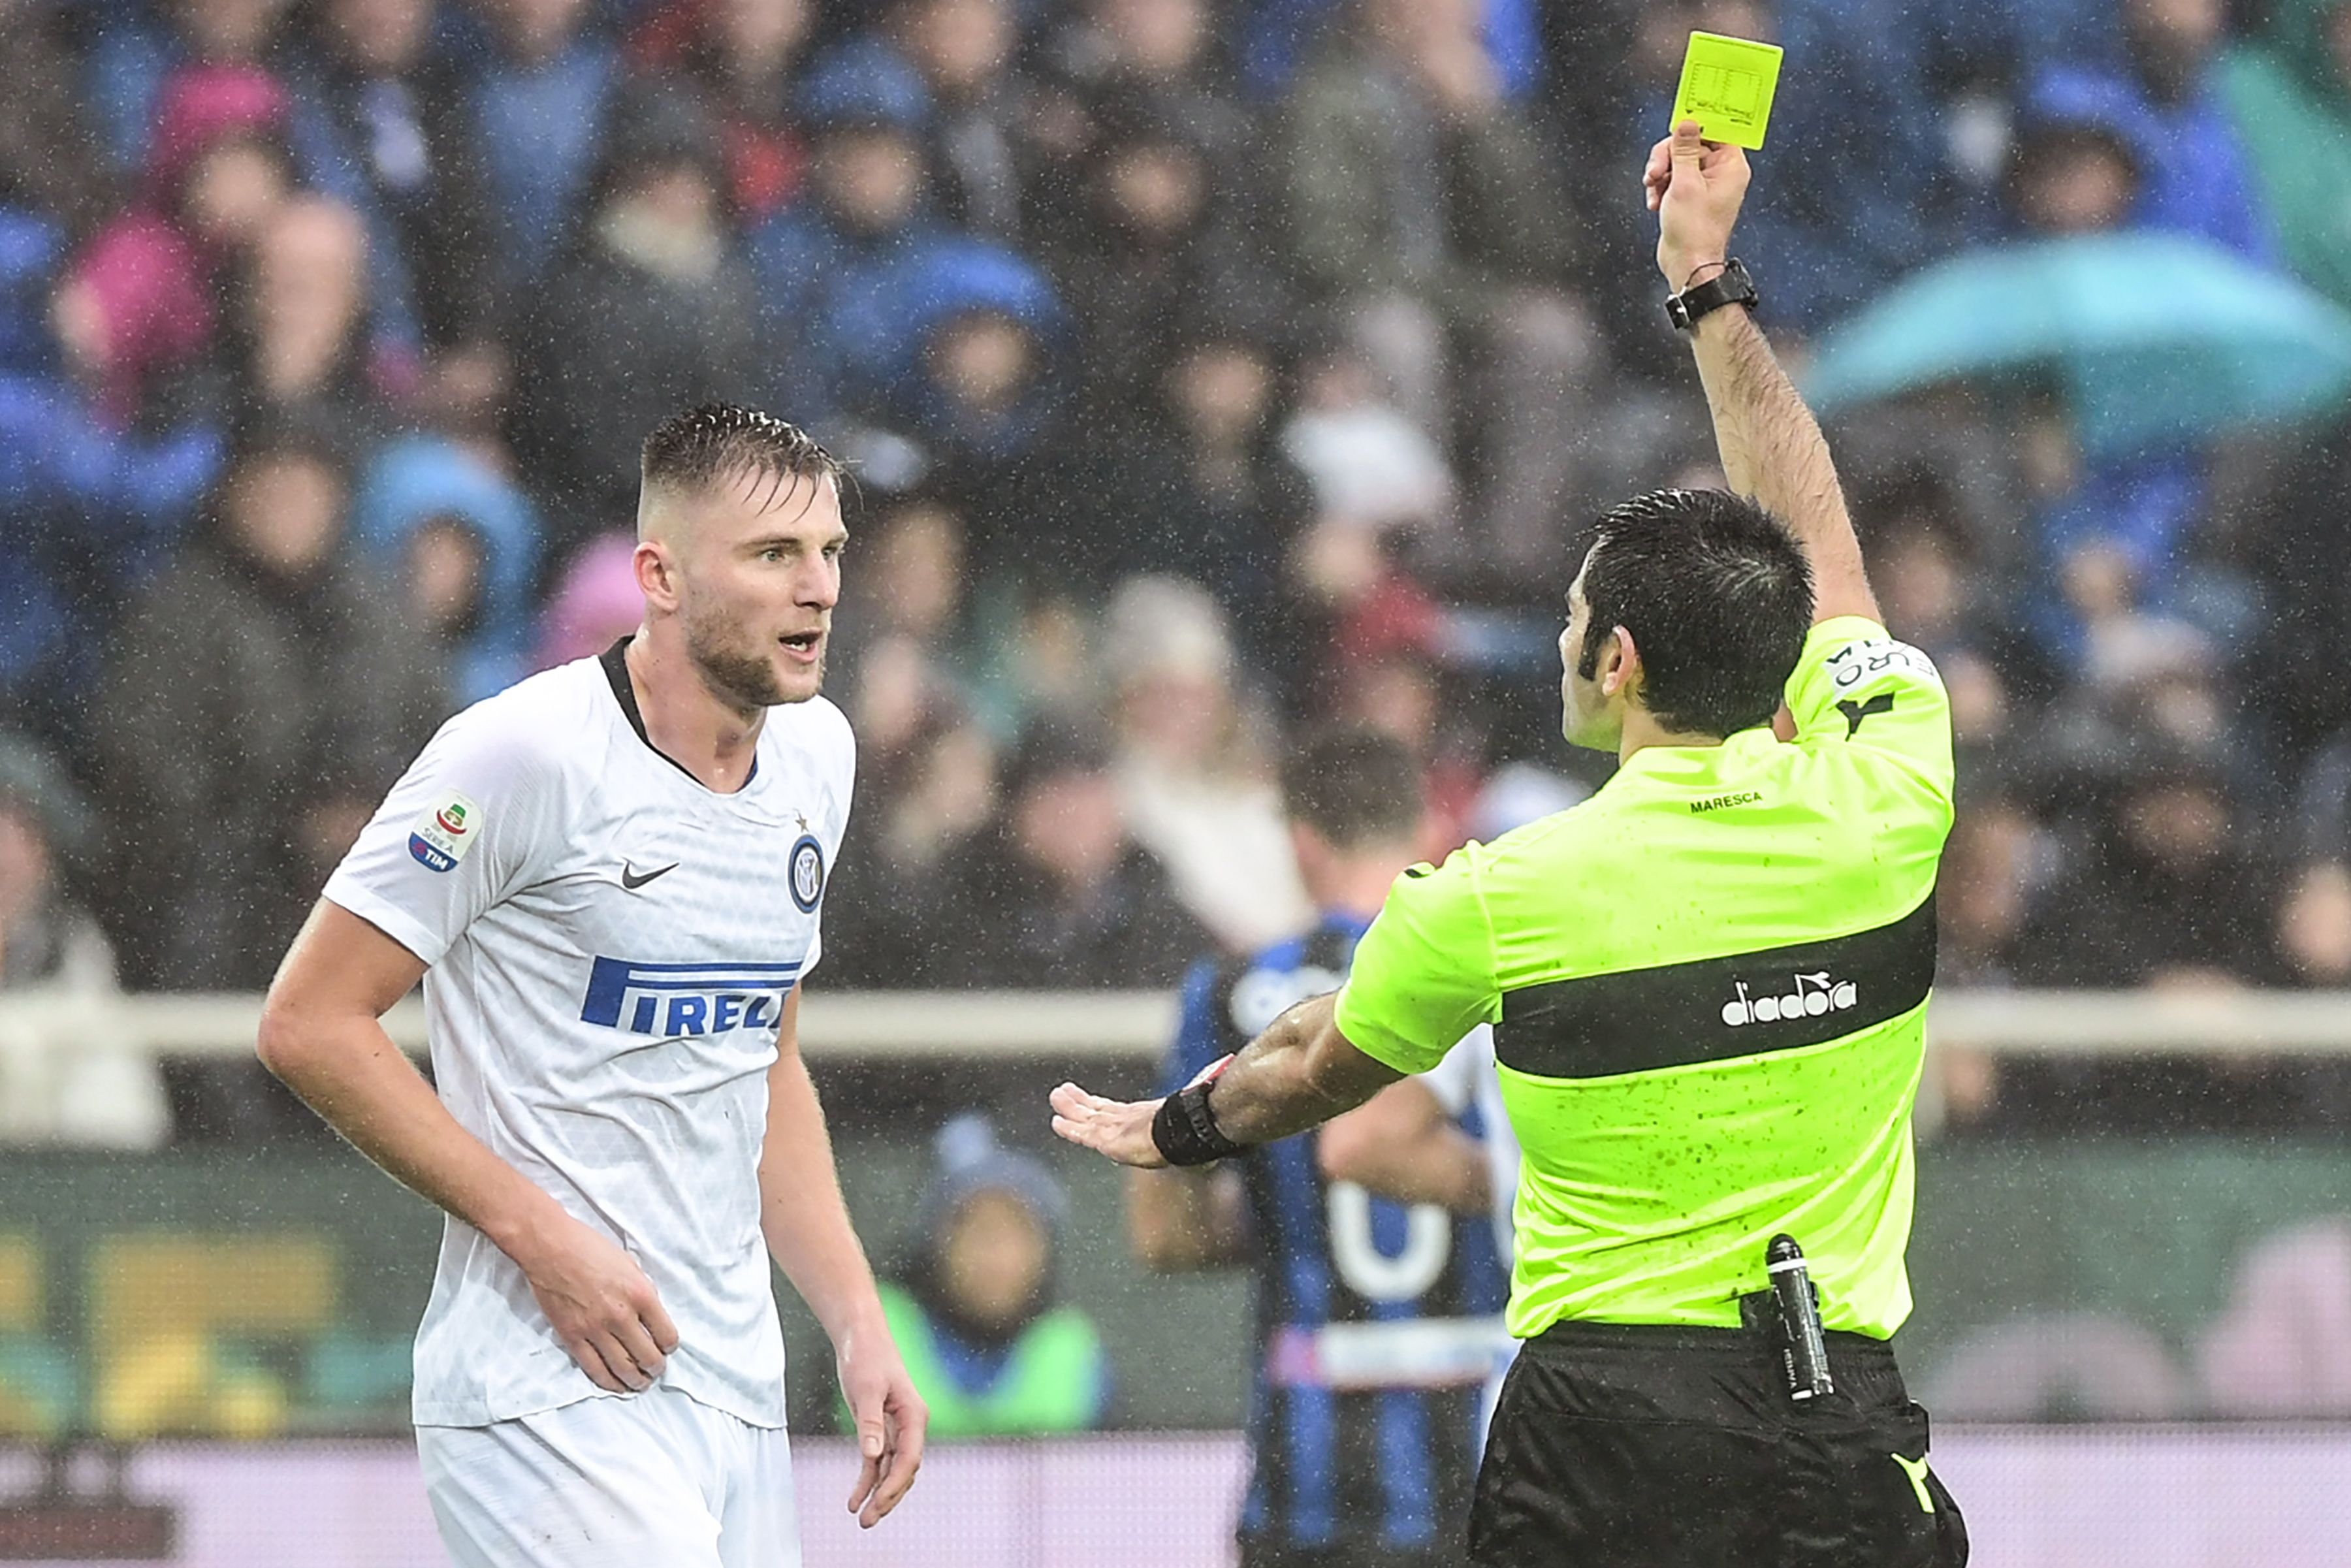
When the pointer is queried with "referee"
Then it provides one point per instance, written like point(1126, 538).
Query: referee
point(1708, 986)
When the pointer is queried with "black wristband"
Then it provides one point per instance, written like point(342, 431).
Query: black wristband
point(1732, 286)
point(1185, 1129)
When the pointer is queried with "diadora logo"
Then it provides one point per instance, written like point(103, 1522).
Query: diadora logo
point(685, 999)
point(1814, 994)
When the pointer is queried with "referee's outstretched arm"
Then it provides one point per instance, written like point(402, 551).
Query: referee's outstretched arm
point(1771, 447)
point(1300, 1072)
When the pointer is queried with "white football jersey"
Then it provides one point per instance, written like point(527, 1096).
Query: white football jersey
point(1467, 1077)
point(610, 944)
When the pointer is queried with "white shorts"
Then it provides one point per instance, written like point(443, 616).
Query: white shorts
point(650, 1480)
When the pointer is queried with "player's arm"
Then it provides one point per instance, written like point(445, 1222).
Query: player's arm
point(321, 1032)
point(809, 1235)
point(1402, 1145)
point(1773, 449)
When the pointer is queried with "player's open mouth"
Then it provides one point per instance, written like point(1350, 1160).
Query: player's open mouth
point(803, 645)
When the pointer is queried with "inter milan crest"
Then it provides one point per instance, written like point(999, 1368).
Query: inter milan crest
point(808, 873)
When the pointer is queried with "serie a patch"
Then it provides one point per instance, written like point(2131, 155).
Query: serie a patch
point(443, 835)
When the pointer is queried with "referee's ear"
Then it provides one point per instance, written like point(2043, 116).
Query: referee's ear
point(1620, 665)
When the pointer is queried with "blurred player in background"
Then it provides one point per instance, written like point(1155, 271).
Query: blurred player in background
point(1466, 1085)
point(608, 878)
point(1376, 1323)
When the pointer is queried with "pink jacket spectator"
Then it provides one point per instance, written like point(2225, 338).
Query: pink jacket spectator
point(596, 603)
point(146, 276)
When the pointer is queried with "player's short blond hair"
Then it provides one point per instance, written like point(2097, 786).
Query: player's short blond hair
point(696, 449)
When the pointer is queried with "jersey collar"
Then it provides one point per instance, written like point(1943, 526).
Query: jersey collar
point(1698, 765)
point(615, 660)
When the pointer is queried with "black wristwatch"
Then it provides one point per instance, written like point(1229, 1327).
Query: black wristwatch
point(1732, 286)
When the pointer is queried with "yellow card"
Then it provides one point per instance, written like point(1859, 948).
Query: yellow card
point(1727, 86)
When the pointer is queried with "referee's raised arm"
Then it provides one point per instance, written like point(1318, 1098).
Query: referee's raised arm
point(1772, 450)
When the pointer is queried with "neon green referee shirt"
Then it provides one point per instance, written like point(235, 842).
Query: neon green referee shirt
point(1709, 986)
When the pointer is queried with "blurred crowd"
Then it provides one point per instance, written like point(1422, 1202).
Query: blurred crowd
point(1209, 368)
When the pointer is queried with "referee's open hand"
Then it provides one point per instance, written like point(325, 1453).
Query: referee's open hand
point(1695, 188)
point(1119, 1128)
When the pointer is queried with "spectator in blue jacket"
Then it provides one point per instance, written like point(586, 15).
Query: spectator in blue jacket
point(977, 367)
point(2194, 174)
point(538, 107)
point(84, 505)
point(463, 541)
point(134, 492)
point(827, 265)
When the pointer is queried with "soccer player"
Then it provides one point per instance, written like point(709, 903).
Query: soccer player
point(609, 879)
point(1376, 1278)
point(1708, 986)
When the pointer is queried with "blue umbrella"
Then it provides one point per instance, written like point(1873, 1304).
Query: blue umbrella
point(2155, 338)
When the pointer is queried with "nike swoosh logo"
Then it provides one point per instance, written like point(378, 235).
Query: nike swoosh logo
point(631, 880)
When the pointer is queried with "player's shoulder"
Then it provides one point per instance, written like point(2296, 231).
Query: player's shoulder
point(543, 723)
point(1210, 983)
point(1258, 987)
point(816, 726)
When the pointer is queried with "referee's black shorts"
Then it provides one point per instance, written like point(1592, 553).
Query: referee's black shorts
point(1666, 1447)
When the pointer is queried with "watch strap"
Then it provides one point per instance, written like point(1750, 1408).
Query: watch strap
point(1732, 286)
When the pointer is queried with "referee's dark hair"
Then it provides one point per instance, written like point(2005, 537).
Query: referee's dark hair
point(719, 440)
point(1355, 786)
point(1717, 596)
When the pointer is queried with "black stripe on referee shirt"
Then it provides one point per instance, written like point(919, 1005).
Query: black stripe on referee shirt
point(1712, 1010)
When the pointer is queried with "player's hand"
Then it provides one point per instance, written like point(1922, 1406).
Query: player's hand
point(1694, 188)
point(1119, 1128)
point(891, 1419)
point(604, 1309)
